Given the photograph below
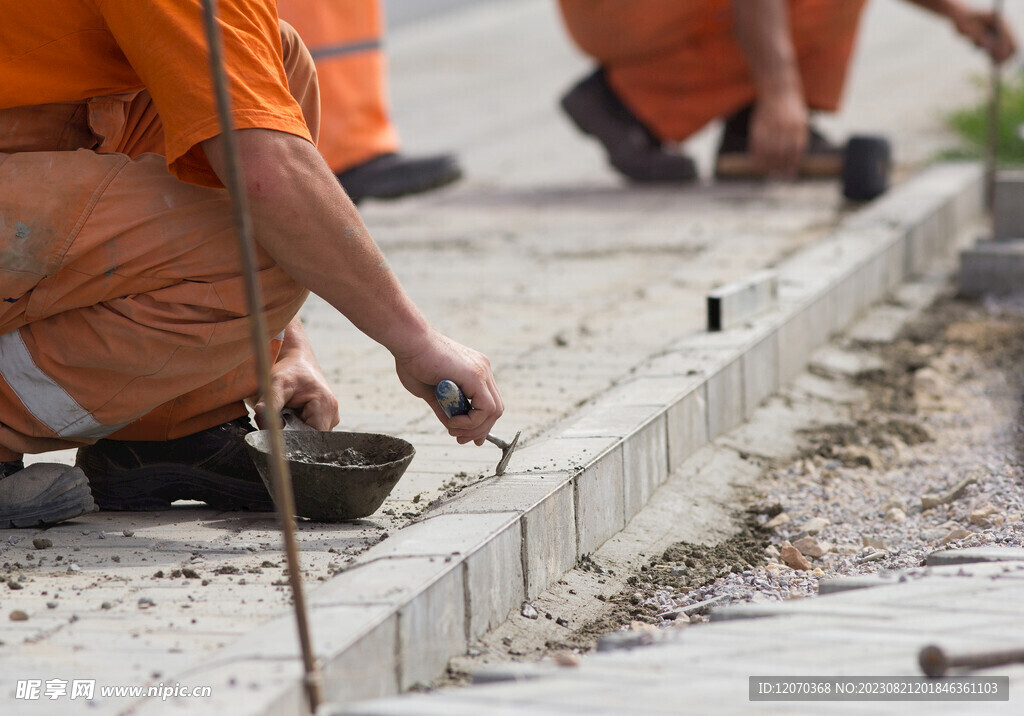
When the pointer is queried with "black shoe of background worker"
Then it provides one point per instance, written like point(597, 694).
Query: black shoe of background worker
point(736, 141)
point(391, 175)
point(632, 148)
point(212, 466)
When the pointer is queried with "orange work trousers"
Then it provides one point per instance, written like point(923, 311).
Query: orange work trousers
point(344, 37)
point(677, 66)
point(122, 306)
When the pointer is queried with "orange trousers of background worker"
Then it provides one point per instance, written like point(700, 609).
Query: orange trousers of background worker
point(357, 137)
point(666, 68)
point(677, 66)
point(123, 310)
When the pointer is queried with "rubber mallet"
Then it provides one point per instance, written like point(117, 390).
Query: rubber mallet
point(865, 165)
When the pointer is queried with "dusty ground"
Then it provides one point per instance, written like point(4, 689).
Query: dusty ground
point(880, 445)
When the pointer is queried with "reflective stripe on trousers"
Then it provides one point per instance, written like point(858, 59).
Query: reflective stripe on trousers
point(41, 396)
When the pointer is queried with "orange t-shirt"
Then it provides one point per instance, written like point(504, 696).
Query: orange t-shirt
point(71, 50)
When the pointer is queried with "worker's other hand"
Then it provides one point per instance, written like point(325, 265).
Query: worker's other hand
point(986, 30)
point(297, 382)
point(778, 133)
point(438, 358)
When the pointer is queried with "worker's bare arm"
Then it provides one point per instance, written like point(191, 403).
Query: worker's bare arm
point(304, 220)
point(778, 132)
point(982, 27)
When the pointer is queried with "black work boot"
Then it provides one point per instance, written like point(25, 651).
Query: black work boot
point(736, 132)
point(736, 140)
point(389, 176)
point(211, 466)
point(41, 494)
point(632, 148)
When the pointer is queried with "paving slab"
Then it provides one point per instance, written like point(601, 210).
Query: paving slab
point(711, 664)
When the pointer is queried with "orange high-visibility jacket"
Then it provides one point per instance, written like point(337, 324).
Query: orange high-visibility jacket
point(344, 37)
point(122, 308)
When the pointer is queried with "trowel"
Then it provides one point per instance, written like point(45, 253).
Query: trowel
point(453, 402)
point(336, 476)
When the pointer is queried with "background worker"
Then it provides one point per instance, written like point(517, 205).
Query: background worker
point(666, 69)
point(357, 137)
point(123, 313)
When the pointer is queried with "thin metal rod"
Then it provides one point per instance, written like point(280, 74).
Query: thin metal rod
point(280, 476)
point(995, 101)
point(936, 663)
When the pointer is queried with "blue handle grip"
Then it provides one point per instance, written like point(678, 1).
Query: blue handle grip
point(451, 398)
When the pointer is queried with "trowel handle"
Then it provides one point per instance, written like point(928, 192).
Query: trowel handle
point(292, 421)
point(453, 402)
point(451, 399)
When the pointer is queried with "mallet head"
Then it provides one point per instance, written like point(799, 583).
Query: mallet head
point(933, 662)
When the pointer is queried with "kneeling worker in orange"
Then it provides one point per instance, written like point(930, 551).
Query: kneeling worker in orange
point(123, 320)
point(667, 68)
point(357, 137)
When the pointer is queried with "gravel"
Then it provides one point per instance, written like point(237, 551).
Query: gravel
point(924, 464)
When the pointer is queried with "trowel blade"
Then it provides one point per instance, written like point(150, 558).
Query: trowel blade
point(506, 455)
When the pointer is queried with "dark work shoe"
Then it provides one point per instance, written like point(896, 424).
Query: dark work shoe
point(389, 176)
point(211, 466)
point(632, 148)
point(735, 140)
point(42, 494)
point(736, 132)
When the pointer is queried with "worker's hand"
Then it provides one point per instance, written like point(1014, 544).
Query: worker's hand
point(778, 132)
point(437, 358)
point(986, 30)
point(297, 382)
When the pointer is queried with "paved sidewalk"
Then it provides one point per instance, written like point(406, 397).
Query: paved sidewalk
point(867, 632)
point(542, 258)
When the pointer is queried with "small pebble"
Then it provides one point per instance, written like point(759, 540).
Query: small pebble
point(895, 515)
point(956, 533)
point(42, 543)
point(566, 658)
point(815, 525)
point(128, 533)
point(792, 557)
point(19, 616)
point(809, 547)
point(873, 542)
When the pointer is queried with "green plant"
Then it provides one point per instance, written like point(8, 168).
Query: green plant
point(971, 124)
